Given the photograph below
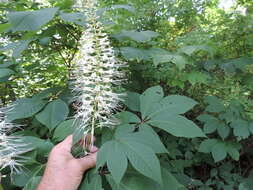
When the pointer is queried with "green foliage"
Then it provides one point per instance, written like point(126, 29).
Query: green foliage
point(186, 121)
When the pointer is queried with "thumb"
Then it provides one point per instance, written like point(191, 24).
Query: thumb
point(88, 161)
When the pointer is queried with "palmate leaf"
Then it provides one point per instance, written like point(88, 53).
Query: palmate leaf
point(24, 108)
point(130, 146)
point(92, 181)
point(149, 98)
point(54, 113)
point(164, 113)
point(220, 149)
point(135, 181)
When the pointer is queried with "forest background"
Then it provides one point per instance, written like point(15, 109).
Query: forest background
point(197, 53)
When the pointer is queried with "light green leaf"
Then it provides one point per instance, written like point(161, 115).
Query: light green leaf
point(135, 181)
point(143, 159)
point(5, 72)
point(197, 78)
point(148, 98)
point(74, 17)
point(54, 113)
point(32, 183)
point(145, 135)
point(122, 6)
point(173, 104)
point(130, 53)
point(31, 20)
point(103, 153)
point(92, 181)
point(189, 50)
point(176, 125)
point(4, 27)
point(24, 108)
point(132, 101)
point(142, 36)
point(127, 117)
point(17, 47)
point(42, 147)
point(117, 161)
point(63, 130)
point(178, 60)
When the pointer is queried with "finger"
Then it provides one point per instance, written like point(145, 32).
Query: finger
point(93, 149)
point(67, 143)
point(88, 161)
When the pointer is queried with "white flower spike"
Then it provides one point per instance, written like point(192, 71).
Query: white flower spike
point(11, 147)
point(96, 73)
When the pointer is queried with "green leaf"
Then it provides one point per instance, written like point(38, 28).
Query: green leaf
point(130, 53)
point(197, 78)
point(117, 161)
point(233, 152)
point(32, 183)
point(103, 153)
point(149, 97)
point(54, 113)
point(207, 145)
point(17, 47)
point(176, 125)
point(173, 104)
point(43, 147)
point(122, 6)
point(24, 108)
point(135, 181)
point(211, 123)
point(92, 181)
point(241, 63)
point(132, 101)
point(215, 105)
point(241, 128)
point(219, 151)
point(4, 27)
point(189, 50)
point(143, 159)
point(141, 156)
point(5, 72)
point(178, 60)
point(127, 117)
point(21, 179)
point(142, 36)
point(74, 17)
point(31, 20)
point(63, 130)
point(223, 130)
point(145, 135)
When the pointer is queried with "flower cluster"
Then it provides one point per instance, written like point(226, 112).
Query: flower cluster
point(96, 73)
point(11, 147)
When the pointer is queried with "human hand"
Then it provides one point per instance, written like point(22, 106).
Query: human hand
point(63, 171)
